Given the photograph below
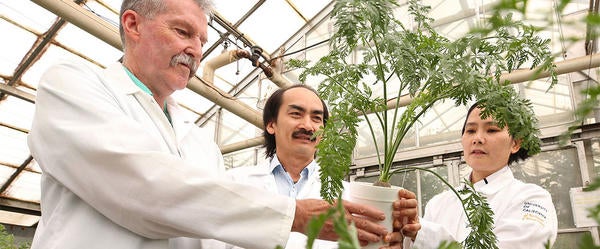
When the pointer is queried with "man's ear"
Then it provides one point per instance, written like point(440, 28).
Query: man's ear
point(130, 21)
point(271, 128)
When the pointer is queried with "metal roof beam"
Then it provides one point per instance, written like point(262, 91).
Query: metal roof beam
point(4, 88)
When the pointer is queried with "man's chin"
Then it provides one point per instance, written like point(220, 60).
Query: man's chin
point(192, 74)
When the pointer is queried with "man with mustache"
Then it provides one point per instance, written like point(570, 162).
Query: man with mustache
point(291, 116)
point(125, 168)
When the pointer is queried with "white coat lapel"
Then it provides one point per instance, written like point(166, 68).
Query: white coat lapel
point(121, 81)
point(160, 120)
point(181, 124)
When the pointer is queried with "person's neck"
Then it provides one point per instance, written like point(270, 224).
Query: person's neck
point(160, 101)
point(478, 176)
point(159, 98)
point(293, 165)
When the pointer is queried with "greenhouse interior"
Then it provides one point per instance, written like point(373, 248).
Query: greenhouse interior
point(227, 94)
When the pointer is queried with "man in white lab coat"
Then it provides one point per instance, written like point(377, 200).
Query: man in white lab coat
point(291, 117)
point(123, 168)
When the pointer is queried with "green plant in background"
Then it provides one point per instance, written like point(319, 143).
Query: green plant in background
point(7, 240)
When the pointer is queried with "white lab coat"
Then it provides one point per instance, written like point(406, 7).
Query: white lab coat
point(524, 216)
point(117, 175)
point(261, 176)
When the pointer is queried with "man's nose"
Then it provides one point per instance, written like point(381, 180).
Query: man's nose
point(307, 124)
point(195, 49)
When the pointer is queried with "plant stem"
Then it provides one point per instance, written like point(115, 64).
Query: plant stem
point(410, 168)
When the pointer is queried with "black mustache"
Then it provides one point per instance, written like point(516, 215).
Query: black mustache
point(297, 133)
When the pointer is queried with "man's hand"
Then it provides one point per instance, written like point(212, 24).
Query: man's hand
point(364, 217)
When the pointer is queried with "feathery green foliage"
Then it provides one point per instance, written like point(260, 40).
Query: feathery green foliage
point(420, 64)
point(481, 219)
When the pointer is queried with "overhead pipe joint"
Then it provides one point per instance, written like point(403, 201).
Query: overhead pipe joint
point(256, 53)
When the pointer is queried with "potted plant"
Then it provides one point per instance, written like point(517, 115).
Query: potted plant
point(419, 64)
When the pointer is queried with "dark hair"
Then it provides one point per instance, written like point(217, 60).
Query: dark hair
point(271, 110)
point(520, 155)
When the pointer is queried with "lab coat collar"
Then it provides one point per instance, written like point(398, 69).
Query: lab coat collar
point(173, 132)
point(495, 182)
point(312, 166)
point(120, 79)
point(312, 186)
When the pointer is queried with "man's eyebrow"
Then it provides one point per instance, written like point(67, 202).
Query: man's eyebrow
point(317, 112)
point(302, 109)
point(297, 107)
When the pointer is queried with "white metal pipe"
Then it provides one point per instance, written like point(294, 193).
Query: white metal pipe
point(84, 19)
point(252, 142)
point(208, 70)
point(226, 101)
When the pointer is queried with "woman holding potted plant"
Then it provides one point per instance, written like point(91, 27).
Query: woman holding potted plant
point(524, 215)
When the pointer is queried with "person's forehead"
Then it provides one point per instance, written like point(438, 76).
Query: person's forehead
point(302, 97)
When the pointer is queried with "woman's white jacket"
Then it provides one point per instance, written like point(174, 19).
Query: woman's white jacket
point(524, 215)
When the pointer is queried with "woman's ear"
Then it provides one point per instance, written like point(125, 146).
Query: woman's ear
point(516, 145)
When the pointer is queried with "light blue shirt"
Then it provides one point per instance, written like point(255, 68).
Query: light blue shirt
point(285, 184)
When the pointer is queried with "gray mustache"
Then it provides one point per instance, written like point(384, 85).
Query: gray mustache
point(186, 60)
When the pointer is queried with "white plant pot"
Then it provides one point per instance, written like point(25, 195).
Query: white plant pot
point(376, 196)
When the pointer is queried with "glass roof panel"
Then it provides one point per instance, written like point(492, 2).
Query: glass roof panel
point(110, 14)
point(270, 33)
point(6, 172)
point(28, 14)
point(16, 112)
point(26, 187)
point(224, 7)
point(235, 129)
point(25, 220)
point(13, 148)
point(34, 166)
point(52, 56)
point(13, 49)
point(192, 100)
point(72, 36)
point(309, 8)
